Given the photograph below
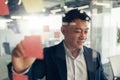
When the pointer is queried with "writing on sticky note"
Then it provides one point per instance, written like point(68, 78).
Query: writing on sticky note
point(33, 46)
point(19, 77)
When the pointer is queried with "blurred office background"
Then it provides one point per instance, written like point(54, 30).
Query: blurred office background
point(19, 18)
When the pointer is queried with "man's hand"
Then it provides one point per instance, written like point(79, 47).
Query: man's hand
point(19, 60)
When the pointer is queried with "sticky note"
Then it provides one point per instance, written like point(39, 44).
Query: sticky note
point(33, 5)
point(56, 34)
point(3, 8)
point(33, 46)
point(19, 77)
point(46, 28)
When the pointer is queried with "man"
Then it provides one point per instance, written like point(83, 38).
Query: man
point(69, 60)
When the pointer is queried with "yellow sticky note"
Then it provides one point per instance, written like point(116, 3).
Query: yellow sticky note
point(32, 6)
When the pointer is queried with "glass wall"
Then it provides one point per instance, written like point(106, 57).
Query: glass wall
point(105, 28)
point(104, 33)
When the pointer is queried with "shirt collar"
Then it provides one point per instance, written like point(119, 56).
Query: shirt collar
point(68, 53)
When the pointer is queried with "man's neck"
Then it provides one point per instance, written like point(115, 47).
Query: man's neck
point(75, 51)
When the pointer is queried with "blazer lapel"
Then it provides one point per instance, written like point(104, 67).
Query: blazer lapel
point(61, 61)
point(90, 63)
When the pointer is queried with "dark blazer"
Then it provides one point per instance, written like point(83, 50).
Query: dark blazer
point(54, 65)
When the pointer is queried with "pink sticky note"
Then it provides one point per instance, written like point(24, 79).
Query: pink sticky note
point(19, 77)
point(3, 8)
point(33, 46)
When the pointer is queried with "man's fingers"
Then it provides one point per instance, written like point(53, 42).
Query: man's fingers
point(18, 51)
point(21, 48)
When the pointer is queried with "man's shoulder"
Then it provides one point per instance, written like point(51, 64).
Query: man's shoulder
point(94, 53)
point(87, 48)
point(91, 50)
point(53, 47)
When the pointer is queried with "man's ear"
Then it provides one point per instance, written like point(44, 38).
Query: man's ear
point(63, 30)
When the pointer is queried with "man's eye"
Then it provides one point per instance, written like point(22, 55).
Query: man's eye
point(79, 31)
point(86, 32)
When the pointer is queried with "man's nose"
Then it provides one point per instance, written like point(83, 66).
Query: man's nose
point(82, 34)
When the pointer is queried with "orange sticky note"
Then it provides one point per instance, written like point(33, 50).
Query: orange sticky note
point(33, 46)
point(19, 77)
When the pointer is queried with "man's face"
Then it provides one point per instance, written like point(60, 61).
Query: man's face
point(76, 35)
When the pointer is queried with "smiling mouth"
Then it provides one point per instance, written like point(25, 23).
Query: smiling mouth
point(81, 41)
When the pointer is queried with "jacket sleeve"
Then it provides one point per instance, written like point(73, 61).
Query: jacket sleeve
point(37, 70)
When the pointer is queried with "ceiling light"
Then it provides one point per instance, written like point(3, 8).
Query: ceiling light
point(43, 10)
point(56, 10)
point(19, 2)
point(6, 20)
point(16, 17)
point(83, 7)
point(68, 9)
point(6, 2)
point(65, 7)
point(101, 4)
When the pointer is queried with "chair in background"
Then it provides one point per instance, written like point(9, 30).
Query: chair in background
point(115, 64)
point(6, 47)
